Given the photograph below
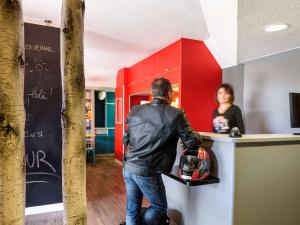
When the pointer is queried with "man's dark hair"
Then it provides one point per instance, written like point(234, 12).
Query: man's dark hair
point(161, 87)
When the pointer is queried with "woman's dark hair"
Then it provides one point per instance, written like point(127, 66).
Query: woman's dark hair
point(161, 87)
point(228, 89)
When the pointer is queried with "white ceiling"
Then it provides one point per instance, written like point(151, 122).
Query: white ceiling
point(221, 20)
point(253, 42)
point(119, 33)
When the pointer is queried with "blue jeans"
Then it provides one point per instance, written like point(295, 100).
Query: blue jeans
point(153, 189)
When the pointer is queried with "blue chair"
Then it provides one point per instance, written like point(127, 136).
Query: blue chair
point(90, 148)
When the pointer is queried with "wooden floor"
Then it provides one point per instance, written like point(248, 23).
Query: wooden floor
point(106, 196)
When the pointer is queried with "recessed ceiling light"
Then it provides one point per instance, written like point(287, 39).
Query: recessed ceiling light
point(276, 27)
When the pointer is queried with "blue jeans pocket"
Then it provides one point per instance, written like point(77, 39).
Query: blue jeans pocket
point(148, 184)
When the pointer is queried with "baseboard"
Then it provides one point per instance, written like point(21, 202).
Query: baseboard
point(44, 209)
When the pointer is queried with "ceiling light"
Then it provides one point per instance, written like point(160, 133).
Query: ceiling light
point(276, 27)
point(102, 95)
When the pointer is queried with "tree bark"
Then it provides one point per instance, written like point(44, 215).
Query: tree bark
point(73, 113)
point(12, 114)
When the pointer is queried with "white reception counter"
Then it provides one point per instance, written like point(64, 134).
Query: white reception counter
point(259, 183)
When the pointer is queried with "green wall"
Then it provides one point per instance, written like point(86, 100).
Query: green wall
point(105, 143)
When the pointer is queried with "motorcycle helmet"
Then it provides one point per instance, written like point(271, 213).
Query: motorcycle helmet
point(194, 164)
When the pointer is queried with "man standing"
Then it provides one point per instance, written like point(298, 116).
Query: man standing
point(151, 140)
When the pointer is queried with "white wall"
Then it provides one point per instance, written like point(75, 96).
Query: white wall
point(267, 82)
point(235, 77)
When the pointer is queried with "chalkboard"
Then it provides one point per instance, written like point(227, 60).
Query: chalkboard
point(43, 101)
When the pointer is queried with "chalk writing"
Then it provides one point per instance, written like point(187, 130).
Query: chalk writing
point(38, 47)
point(39, 66)
point(34, 134)
point(32, 176)
point(37, 181)
point(43, 173)
point(29, 119)
point(35, 159)
point(37, 93)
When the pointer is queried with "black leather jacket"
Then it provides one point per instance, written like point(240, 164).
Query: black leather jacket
point(151, 138)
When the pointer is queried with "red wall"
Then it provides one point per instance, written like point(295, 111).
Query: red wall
point(187, 63)
point(201, 75)
point(136, 99)
point(119, 127)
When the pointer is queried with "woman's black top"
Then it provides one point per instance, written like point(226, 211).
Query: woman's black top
point(223, 122)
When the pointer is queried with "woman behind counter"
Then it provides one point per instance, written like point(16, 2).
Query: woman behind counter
point(227, 115)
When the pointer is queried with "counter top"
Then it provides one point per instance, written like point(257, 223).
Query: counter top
point(246, 138)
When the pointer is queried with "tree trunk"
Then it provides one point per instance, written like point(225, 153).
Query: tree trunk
point(12, 114)
point(73, 113)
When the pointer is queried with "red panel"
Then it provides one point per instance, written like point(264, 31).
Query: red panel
point(196, 54)
point(118, 141)
point(169, 58)
point(201, 80)
point(119, 127)
point(149, 67)
point(174, 76)
point(145, 85)
point(199, 108)
point(201, 75)
point(134, 73)
point(136, 99)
